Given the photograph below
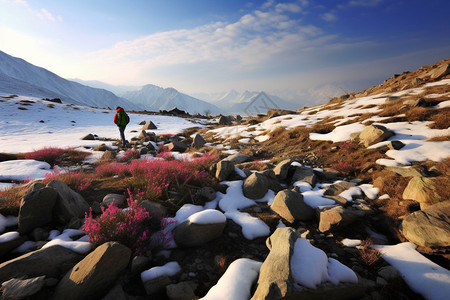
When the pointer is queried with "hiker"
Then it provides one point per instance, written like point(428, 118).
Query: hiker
point(121, 119)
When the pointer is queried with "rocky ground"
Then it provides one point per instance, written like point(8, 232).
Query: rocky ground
point(417, 209)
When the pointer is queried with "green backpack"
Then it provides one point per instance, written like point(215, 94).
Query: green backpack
point(122, 118)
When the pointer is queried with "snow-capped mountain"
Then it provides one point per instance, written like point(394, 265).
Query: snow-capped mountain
point(20, 77)
point(119, 90)
point(248, 102)
point(157, 98)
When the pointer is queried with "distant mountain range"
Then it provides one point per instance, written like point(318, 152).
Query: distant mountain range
point(20, 77)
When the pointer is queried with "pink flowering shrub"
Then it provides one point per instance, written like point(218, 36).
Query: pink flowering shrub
point(129, 155)
point(78, 181)
point(51, 155)
point(347, 146)
point(345, 168)
point(133, 227)
point(167, 155)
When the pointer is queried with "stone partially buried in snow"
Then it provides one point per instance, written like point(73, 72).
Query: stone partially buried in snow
point(198, 141)
point(291, 207)
point(200, 228)
point(149, 125)
point(224, 120)
point(305, 174)
point(255, 186)
point(88, 137)
point(275, 279)
point(429, 227)
point(69, 203)
point(36, 209)
point(374, 134)
point(95, 274)
point(224, 169)
point(10, 241)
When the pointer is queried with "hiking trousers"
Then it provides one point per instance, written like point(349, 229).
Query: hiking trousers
point(122, 135)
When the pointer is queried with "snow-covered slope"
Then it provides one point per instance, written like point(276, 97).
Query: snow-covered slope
point(20, 77)
point(156, 98)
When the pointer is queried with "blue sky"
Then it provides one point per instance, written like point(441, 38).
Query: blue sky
point(296, 49)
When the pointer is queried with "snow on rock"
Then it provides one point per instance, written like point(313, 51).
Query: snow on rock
point(314, 199)
point(421, 274)
point(66, 241)
point(339, 134)
point(351, 242)
point(23, 169)
point(348, 194)
point(310, 267)
point(169, 269)
point(369, 190)
point(9, 236)
point(208, 216)
point(252, 227)
point(237, 281)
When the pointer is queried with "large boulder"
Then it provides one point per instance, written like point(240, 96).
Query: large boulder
point(224, 120)
point(275, 279)
point(304, 174)
point(422, 190)
point(290, 206)
point(36, 209)
point(51, 262)
point(429, 227)
point(95, 274)
point(337, 217)
point(200, 228)
point(255, 186)
point(198, 141)
point(69, 203)
point(373, 134)
point(224, 169)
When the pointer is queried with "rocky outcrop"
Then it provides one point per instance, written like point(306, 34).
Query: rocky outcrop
point(51, 262)
point(69, 203)
point(95, 274)
point(439, 71)
point(291, 207)
point(374, 134)
point(422, 190)
point(36, 209)
point(429, 227)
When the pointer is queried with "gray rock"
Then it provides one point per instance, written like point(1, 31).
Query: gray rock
point(281, 169)
point(180, 291)
point(373, 134)
point(154, 208)
point(36, 209)
point(337, 217)
point(114, 199)
point(69, 203)
point(108, 155)
point(395, 145)
point(429, 227)
point(305, 174)
point(439, 71)
point(198, 141)
point(422, 190)
point(291, 207)
point(224, 169)
point(88, 137)
point(189, 234)
point(237, 158)
point(415, 103)
point(116, 293)
point(412, 171)
point(255, 186)
point(337, 188)
point(22, 288)
point(149, 125)
point(51, 262)
point(224, 120)
point(275, 279)
point(139, 264)
point(177, 146)
point(157, 285)
point(95, 274)
point(208, 193)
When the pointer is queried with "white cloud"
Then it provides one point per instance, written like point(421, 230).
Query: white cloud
point(42, 13)
point(364, 2)
point(329, 17)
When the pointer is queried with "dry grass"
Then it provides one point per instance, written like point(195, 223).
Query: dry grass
point(440, 138)
point(367, 255)
point(11, 198)
point(441, 119)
